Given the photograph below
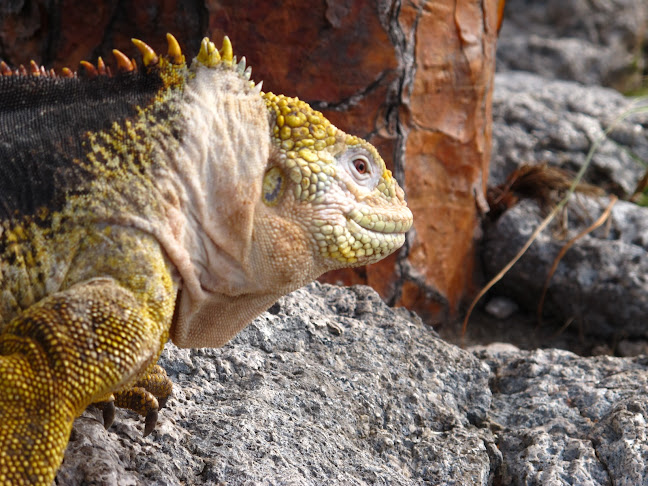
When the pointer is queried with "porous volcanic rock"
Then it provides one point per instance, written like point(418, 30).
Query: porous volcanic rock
point(330, 386)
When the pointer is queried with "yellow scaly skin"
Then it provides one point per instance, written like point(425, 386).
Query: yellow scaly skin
point(210, 188)
point(77, 346)
point(309, 146)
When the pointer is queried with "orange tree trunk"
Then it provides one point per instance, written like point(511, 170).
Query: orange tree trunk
point(415, 78)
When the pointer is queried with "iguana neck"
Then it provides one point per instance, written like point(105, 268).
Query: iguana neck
point(215, 176)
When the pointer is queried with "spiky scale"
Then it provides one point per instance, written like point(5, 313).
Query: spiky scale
point(149, 57)
point(240, 66)
point(123, 63)
point(101, 67)
point(90, 70)
point(174, 51)
point(34, 69)
point(208, 55)
point(227, 52)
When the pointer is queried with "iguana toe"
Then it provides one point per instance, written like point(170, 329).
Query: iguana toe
point(140, 401)
point(145, 397)
point(150, 422)
point(108, 410)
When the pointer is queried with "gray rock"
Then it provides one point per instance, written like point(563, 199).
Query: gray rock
point(564, 419)
point(596, 43)
point(333, 387)
point(536, 120)
point(329, 387)
point(495, 347)
point(602, 281)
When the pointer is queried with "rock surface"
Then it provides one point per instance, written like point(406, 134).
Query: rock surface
point(537, 120)
point(333, 387)
point(601, 284)
point(564, 419)
point(595, 43)
point(329, 387)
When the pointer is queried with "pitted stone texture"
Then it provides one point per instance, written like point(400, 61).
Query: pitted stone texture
point(597, 43)
point(564, 419)
point(330, 386)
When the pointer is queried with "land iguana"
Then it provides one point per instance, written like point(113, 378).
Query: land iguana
point(166, 201)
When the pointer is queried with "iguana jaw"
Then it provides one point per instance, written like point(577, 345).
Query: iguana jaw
point(379, 223)
point(356, 239)
point(379, 233)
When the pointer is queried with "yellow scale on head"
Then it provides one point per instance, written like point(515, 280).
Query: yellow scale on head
point(310, 143)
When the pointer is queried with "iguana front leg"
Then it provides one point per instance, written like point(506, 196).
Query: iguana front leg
point(71, 349)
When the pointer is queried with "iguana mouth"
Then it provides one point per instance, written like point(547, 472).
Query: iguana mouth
point(366, 238)
point(399, 222)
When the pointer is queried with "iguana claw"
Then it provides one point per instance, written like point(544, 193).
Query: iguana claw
point(146, 397)
point(108, 410)
point(150, 421)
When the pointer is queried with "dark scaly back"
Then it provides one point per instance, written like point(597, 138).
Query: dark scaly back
point(76, 150)
point(43, 122)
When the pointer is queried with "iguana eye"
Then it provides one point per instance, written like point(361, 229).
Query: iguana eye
point(361, 165)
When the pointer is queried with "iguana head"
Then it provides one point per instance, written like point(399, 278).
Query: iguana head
point(335, 187)
point(330, 193)
point(353, 208)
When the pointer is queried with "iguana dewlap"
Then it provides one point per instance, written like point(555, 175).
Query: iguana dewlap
point(120, 193)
